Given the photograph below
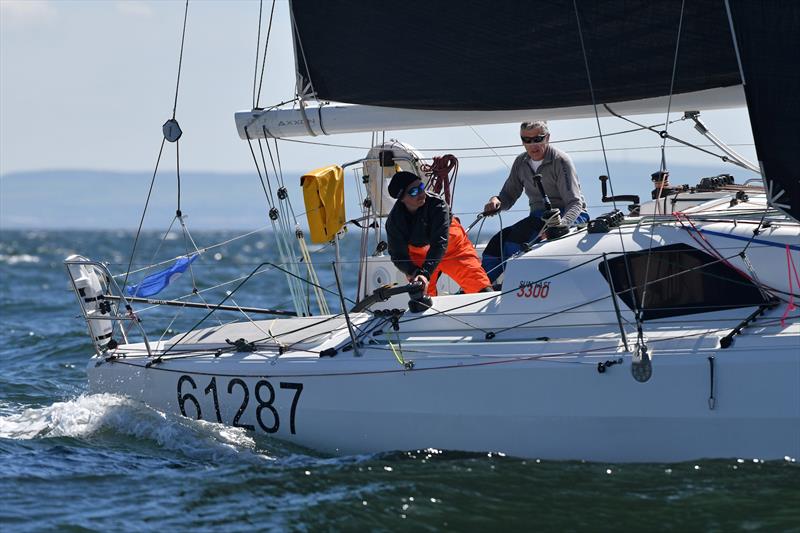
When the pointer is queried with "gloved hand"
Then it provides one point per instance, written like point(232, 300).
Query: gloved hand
point(421, 278)
point(551, 218)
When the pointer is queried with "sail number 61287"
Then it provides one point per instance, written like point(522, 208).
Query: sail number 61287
point(266, 414)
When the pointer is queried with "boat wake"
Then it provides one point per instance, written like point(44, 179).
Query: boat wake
point(101, 414)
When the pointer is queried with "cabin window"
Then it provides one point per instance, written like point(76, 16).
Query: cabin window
point(681, 281)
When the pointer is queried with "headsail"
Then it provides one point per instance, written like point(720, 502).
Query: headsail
point(768, 44)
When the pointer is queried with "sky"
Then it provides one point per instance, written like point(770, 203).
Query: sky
point(86, 86)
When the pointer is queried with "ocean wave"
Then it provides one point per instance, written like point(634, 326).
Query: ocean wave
point(13, 259)
point(91, 414)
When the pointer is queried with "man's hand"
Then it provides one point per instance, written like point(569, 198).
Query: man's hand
point(552, 218)
point(421, 278)
point(492, 206)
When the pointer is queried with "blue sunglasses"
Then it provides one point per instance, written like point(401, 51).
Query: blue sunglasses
point(413, 192)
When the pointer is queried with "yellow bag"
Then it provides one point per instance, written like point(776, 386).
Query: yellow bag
point(323, 193)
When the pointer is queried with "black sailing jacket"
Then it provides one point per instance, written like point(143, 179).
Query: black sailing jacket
point(428, 226)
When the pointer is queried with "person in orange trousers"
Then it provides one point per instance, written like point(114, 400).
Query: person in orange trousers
point(425, 240)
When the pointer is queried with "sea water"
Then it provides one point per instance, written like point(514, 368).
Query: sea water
point(75, 461)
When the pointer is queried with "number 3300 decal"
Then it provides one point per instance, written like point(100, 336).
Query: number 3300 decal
point(533, 290)
point(266, 415)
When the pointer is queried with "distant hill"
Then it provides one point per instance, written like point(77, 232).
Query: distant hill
point(71, 199)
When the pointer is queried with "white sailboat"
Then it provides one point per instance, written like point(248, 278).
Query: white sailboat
point(664, 334)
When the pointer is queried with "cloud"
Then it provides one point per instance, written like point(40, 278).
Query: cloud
point(16, 13)
point(134, 8)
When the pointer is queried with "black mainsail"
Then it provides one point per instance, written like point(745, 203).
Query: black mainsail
point(479, 55)
point(475, 55)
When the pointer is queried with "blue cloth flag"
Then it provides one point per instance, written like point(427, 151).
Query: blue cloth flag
point(155, 283)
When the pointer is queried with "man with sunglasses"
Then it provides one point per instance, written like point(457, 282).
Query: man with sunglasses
point(425, 240)
point(560, 182)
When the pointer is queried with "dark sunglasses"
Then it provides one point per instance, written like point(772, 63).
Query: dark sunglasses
point(534, 140)
point(413, 192)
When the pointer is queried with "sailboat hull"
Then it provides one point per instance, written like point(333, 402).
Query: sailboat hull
point(701, 401)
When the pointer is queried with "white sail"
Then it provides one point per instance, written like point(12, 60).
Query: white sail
point(336, 119)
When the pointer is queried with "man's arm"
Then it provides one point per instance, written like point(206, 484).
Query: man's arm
point(512, 188)
point(439, 224)
point(569, 189)
point(398, 247)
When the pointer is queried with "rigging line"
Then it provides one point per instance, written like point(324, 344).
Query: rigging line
point(166, 329)
point(631, 288)
point(199, 295)
point(668, 136)
point(264, 164)
point(316, 323)
point(595, 150)
point(489, 147)
point(756, 231)
point(260, 177)
point(279, 173)
point(366, 329)
point(764, 289)
point(704, 332)
point(298, 42)
point(258, 50)
point(320, 287)
point(603, 146)
point(178, 173)
point(672, 86)
point(323, 248)
point(180, 59)
point(503, 330)
point(230, 293)
point(188, 234)
point(284, 251)
point(493, 296)
point(513, 358)
point(266, 46)
point(253, 322)
point(160, 244)
point(144, 212)
point(460, 365)
point(199, 292)
point(283, 220)
point(187, 239)
point(199, 250)
point(379, 229)
point(292, 100)
point(361, 332)
point(663, 147)
point(198, 353)
point(213, 287)
point(616, 293)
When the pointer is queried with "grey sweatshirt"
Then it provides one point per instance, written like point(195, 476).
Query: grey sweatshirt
point(559, 179)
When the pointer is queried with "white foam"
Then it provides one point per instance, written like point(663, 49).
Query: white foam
point(86, 415)
point(18, 258)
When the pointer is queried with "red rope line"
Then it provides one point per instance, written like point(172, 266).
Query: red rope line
point(790, 268)
point(441, 182)
point(707, 246)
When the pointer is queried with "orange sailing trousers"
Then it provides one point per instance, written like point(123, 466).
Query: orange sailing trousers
point(460, 261)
